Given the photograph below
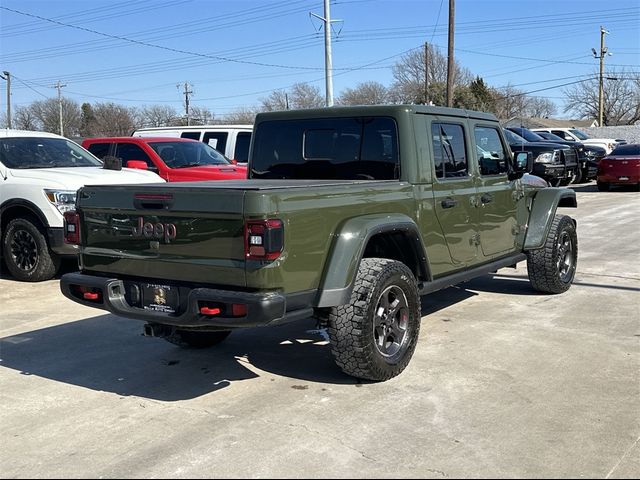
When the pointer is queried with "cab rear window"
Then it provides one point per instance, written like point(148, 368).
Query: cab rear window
point(327, 148)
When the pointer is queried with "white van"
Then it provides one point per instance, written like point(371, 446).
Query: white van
point(230, 140)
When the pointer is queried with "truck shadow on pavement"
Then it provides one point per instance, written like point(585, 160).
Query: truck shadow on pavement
point(108, 353)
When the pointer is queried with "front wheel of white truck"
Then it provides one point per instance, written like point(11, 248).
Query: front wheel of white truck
point(374, 336)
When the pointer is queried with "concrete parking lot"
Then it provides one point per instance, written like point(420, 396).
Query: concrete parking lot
point(505, 382)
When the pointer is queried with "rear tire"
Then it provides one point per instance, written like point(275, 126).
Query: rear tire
point(374, 336)
point(196, 339)
point(26, 251)
point(603, 186)
point(553, 267)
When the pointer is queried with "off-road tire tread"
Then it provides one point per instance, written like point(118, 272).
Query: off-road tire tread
point(354, 352)
point(48, 262)
point(541, 263)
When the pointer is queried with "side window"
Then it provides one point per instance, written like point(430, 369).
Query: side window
point(241, 153)
point(217, 140)
point(562, 134)
point(449, 151)
point(129, 151)
point(100, 150)
point(490, 152)
point(191, 135)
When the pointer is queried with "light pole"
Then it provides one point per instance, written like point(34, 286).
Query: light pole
point(328, 59)
point(59, 87)
point(603, 51)
point(7, 77)
point(450, 61)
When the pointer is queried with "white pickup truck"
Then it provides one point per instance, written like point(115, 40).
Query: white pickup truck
point(39, 176)
point(575, 135)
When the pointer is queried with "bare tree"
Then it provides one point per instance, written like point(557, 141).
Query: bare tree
point(510, 102)
point(157, 116)
point(48, 115)
point(621, 98)
point(539, 107)
point(409, 75)
point(305, 95)
point(201, 115)
point(365, 93)
point(25, 119)
point(301, 95)
point(277, 100)
point(241, 116)
point(111, 119)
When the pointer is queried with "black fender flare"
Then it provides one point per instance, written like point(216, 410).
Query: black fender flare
point(543, 210)
point(26, 204)
point(348, 248)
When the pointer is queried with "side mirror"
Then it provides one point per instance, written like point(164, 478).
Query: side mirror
point(523, 163)
point(112, 163)
point(139, 164)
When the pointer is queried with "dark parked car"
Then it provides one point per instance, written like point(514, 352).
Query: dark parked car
point(553, 162)
point(620, 167)
point(587, 165)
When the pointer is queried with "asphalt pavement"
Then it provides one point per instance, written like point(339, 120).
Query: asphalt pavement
point(505, 382)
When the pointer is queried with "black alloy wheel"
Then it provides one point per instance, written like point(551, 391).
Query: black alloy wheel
point(27, 253)
point(24, 251)
point(391, 321)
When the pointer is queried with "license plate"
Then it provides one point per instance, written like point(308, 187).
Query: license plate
point(159, 298)
point(623, 178)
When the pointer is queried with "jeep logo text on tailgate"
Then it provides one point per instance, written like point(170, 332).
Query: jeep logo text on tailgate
point(155, 230)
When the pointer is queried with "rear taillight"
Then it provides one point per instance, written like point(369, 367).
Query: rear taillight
point(264, 239)
point(72, 228)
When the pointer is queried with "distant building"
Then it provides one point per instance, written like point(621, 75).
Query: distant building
point(547, 123)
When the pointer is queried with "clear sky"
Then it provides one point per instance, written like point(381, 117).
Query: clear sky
point(234, 52)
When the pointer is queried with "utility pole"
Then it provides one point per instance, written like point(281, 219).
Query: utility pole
point(328, 65)
point(7, 77)
point(603, 51)
point(59, 86)
point(426, 73)
point(186, 92)
point(450, 62)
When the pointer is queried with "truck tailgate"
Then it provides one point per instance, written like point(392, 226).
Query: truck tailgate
point(185, 233)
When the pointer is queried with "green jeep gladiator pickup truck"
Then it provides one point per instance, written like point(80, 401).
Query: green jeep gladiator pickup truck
point(349, 214)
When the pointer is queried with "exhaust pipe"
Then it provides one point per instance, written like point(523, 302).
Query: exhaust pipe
point(156, 330)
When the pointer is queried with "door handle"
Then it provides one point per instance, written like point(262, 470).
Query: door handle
point(486, 198)
point(449, 202)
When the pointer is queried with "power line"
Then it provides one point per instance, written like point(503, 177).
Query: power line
point(170, 49)
point(29, 87)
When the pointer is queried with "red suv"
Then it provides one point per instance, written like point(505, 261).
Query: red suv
point(174, 159)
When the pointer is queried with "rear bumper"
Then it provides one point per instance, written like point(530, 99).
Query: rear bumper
point(619, 179)
point(262, 309)
point(57, 245)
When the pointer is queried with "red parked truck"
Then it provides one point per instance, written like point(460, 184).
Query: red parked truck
point(174, 159)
